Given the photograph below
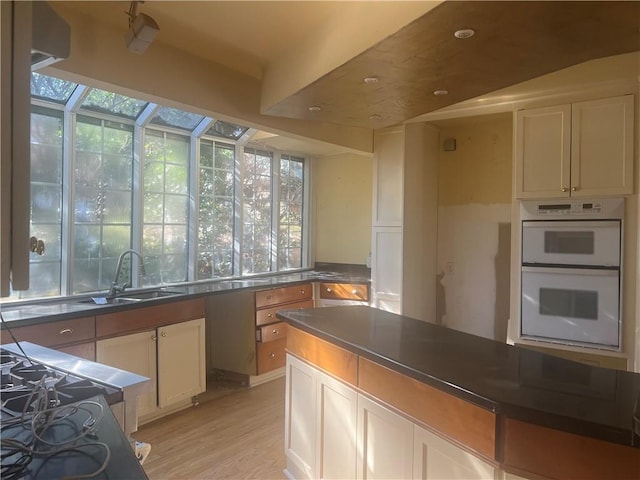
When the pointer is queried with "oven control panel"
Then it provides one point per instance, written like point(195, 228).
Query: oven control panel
point(603, 208)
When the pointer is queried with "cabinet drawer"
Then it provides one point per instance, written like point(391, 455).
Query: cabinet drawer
point(268, 315)
point(55, 333)
point(344, 291)
point(275, 296)
point(272, 332)
point(271, 355)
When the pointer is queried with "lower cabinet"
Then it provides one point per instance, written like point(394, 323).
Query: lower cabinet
point(332, 431)
point(173, 356)
point(320, 424)
point(385, 442)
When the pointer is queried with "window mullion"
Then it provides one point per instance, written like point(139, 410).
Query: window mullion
point(137, 194)
point(68, 166)
point(194, 207)
point(238, 211)
point(275, 209)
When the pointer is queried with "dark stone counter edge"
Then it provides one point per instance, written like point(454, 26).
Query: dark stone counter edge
point(340, 273)
point(515, 412)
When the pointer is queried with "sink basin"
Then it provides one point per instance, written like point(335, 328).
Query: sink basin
point(132, 297)
point(110, 301)
point(147, 295)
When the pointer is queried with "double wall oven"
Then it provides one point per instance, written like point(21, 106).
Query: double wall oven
point(572, 271)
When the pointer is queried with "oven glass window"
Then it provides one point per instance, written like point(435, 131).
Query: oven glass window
point(569, 242)
point(569, 303)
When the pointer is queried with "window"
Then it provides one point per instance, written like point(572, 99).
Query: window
point(215, 219)
point(46, 202)
point(102, 201)
point(291, 212)
point(110, 173)
point(256, 212)
point(166, 207)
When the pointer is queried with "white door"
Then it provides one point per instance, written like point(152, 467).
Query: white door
point(336, 446)
point(135, 353)
point(300, 419)
point(181, 361)
point(437, 459)
point(385, 442)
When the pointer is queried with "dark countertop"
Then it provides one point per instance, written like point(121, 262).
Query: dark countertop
point(508, 380)
point(25, 313)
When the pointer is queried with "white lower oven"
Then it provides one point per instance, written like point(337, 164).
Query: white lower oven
point(576, 306)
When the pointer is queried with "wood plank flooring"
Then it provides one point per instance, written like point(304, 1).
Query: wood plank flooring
point(239, 435)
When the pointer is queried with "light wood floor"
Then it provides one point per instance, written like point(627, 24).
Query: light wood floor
point(237, 435)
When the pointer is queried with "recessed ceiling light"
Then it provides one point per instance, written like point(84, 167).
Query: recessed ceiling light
point(440, 93)
point(370, 79)
point(315, 108)
point(464, 33)
point(375, 116)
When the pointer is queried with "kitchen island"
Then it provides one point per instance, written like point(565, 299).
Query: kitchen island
point(482, 407)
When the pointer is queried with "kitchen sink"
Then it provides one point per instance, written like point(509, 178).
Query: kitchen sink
point(148, 295)
point(131, 297)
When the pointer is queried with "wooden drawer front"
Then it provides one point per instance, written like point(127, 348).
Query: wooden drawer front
point(139, 319)
point(267, 316)
point(275, 296)
point(565, 455)
point(55, 333)
point(271, 355)
point(329, 357)
point(344, 291)
point(272, 332)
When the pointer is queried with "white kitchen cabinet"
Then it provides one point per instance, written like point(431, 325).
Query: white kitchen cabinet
point(579, 150)
point(385, 442)
point(181, 362)
point(320, 424)
point(135, 353)
point(436, 458)
point(173, 356)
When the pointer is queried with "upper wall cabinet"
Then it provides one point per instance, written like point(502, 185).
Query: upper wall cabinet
point(579, 150)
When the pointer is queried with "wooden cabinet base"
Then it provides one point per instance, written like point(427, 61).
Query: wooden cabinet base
point(557, 454)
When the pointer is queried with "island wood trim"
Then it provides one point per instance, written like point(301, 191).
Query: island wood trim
point(463, 422)
point(558, 454)
point(138, 319)
point(331, 358)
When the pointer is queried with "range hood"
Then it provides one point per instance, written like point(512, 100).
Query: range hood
point(50, 36)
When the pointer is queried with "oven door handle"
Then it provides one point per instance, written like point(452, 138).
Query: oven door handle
point(594, 272)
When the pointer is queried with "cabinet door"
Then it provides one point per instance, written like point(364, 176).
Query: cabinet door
point(602, 147)
point(181, 361)
point(436, 458)
point(336, 428)
point(135, 353)
point(300, 419)
point(543, 152)
point(385, 442)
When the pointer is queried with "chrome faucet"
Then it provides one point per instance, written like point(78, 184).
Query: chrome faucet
point(115, 286)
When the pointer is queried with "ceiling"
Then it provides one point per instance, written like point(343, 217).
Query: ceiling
point(530, 38)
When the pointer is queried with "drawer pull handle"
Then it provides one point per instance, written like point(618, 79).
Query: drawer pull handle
point(66, 331)
point(354, 292)
point(270, 315)
point(301, 292)
point(275, 332)
point(272, 355)
point(269, 297)
point(163, 334)
point(329, 290)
